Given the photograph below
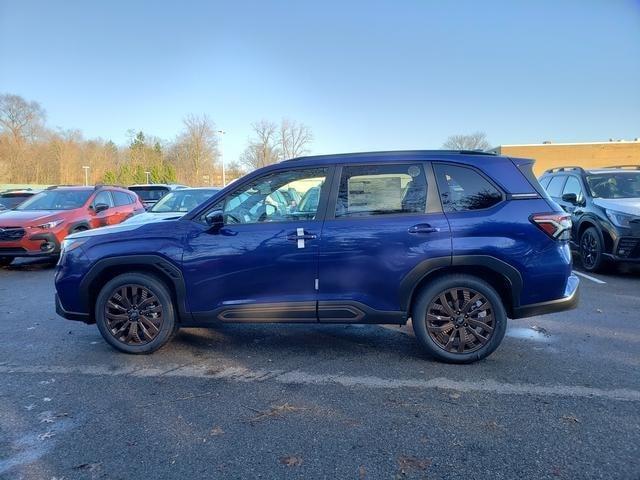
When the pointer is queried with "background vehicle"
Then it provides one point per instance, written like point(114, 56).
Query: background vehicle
point(605, 208)
point(12, 198)
point(382, 244)
point(37, 226)
point(150, 193)
point(175, 204)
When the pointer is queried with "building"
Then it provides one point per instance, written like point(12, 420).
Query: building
point(587, 155)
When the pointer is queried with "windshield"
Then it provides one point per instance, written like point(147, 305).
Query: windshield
point(56, 200)
point(615, 185)
point(13, 200)
point(150, 194)
point(183, 201)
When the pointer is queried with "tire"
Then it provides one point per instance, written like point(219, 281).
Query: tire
point(591, 250)
point(449, 331)
point(152, 296)
point(6, 261)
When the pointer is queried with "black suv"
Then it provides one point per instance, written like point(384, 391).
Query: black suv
point(605, 209)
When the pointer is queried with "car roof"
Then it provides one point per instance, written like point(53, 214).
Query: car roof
point(355, 157)
point(170, 186)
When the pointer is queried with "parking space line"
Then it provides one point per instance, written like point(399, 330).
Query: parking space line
point(589, 277)
point(241, 374)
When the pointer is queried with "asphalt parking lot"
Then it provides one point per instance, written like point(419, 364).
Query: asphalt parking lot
point(559, 399)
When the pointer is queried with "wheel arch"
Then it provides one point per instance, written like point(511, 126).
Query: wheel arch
point(503, 277)
point(159, 267)
point(605, 237)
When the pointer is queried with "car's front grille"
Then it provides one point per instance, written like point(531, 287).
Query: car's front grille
point(10, 234)
point(629, 247)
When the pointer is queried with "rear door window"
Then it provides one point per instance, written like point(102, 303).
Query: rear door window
point(121, 198)
point(573, 186)
point(463, 189)
point(367, 190)
point(555, 186)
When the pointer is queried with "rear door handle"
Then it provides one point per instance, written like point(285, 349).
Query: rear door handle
point(423, 228)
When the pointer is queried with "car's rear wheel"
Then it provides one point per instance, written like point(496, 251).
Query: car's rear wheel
point(6, 261)
point(591, 250)
point(135, 313)
point(459, 319)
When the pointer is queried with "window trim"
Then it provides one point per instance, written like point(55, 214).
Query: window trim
point(335, 190)
point(322, 202)
point(580, 183)
point(503, 194)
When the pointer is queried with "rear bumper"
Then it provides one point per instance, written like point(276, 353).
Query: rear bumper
point(82, 317)
point(568, 302)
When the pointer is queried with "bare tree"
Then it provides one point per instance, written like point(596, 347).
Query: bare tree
point(473, 141)
point(20, 118)
point(263, 148)
point(197, 147)
point(294, 139)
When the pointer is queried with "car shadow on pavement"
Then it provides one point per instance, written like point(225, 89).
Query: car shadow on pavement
point(295, 340)
point(32, 264)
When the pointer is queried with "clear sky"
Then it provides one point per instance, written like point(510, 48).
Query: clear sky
point(364, 75)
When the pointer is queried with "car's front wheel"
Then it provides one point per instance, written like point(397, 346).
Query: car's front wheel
point(459, 319)
point(5, 261)
point(135, 313)
point(591, 250)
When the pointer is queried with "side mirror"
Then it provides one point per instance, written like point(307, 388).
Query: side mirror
point(100, 207)
point(215, 218)
point(570, 198)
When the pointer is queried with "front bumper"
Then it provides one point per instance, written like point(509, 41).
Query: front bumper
point(568, 302)
point(82, 317)
point(31, 246)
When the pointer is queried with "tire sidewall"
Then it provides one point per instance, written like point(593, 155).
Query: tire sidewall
point(426, 296)
point(599, 262)
point(158, 288)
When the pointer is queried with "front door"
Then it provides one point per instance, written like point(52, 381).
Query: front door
point(262, 264)
point(384, 223)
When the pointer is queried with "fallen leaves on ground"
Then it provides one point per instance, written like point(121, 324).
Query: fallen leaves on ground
point(274, 412)
point(291, 461)
point(215, 431)
point(570, 419)
point(541, 330)
point(362, 472)
point(45, 436)
point(89, 467)
point(407, 464)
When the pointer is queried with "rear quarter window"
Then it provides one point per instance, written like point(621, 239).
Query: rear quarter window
point(463, 189)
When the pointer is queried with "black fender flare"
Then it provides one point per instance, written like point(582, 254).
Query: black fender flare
point(432, 265)
point(158, 264)
point(74, 225)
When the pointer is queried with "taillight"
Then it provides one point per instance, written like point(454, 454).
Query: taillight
point(556, 225)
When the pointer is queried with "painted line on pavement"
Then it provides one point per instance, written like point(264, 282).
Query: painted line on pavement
point(241, 374)
point(589, 277)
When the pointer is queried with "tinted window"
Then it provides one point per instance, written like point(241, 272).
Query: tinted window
point(150, 194)
point(263, 200)
point(381, 190)
point(103, 197)
point(465, 189)
point(121, 198)
point(573, 186)
point(56, 200)
point(555, 186)
point(13, 200)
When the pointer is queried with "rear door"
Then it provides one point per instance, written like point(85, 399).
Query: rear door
point(383, 220)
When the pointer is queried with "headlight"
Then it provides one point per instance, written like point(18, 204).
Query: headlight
point(620, 219)
point(48, 225)
point(69, 244)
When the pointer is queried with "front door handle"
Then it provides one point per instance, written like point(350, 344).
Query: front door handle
point(423, 228)
point(300, 236)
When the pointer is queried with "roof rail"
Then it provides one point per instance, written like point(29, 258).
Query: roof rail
point(101, 185)
point(635, 167)
point(564, 169)
point(392, 152)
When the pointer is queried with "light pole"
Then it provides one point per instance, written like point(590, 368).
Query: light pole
point(148, 176)
point(86, 174)
point(224, 175)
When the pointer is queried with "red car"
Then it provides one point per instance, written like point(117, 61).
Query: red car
point(37, 227)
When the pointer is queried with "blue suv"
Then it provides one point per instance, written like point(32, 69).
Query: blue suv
point(456, 241)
